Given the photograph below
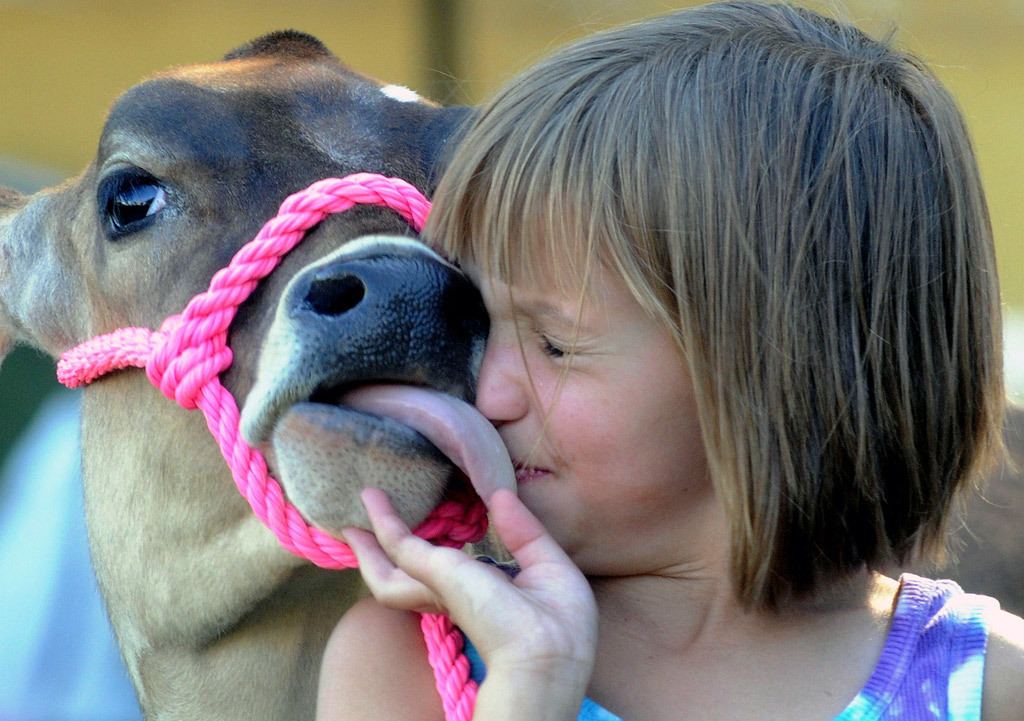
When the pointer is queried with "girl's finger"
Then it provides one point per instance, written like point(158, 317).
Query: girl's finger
point(389, 584)
point(449, 575)
point(522, 533)
point(420, 559)
point(394, 537)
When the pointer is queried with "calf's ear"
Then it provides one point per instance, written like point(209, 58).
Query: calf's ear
point(439, 138)
point(286, 43)
point(6, 344)
point(10, 201)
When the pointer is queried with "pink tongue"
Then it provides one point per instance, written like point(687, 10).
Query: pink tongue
point(455, 427)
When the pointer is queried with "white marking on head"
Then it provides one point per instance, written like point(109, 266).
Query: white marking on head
point(401, 93)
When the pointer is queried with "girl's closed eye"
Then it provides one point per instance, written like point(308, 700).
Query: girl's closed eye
point(552, 342)
point(562, 344)
point(553, 348)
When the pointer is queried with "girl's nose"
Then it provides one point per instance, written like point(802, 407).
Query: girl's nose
point(502, 393)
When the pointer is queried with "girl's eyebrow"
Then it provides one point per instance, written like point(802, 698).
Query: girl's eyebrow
point(551, 312)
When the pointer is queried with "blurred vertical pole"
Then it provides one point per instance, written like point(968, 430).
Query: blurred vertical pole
point(441, 46)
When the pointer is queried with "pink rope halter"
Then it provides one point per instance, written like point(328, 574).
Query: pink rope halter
point(186, 356)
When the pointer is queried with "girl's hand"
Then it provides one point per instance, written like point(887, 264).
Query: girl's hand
point(539, 627)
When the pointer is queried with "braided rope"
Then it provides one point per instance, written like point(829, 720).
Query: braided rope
point(186, 356)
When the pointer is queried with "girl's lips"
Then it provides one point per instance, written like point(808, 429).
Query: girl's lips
point(526, 474)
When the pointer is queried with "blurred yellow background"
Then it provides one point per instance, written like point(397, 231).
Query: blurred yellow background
point(62, 63)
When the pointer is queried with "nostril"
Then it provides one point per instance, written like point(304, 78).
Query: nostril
point(335, 295)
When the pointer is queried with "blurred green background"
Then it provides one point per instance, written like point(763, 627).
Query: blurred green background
point(62, 63)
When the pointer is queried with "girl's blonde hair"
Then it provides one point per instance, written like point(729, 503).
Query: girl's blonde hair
point(800, 205)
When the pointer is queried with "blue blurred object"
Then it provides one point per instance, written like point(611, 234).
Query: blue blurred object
point(58, 658)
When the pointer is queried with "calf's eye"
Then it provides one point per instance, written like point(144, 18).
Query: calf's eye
point(129, 200)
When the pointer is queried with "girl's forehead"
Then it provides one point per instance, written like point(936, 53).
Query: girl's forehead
point(533, 260)
point(534, 276)
point(551, 291)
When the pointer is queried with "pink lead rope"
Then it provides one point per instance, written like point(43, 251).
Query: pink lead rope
point(184, 360)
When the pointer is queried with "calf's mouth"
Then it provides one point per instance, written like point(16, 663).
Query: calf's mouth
point(375, 388)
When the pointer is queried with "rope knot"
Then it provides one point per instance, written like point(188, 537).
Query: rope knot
point(460, 519)
point(193, 353)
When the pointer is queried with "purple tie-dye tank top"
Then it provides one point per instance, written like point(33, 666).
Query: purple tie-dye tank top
point(933, 660)
point(930, 669)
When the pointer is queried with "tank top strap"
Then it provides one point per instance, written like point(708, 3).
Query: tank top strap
point(933, 660)
point(972, 615)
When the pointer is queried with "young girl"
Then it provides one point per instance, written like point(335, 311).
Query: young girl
point(744, 355)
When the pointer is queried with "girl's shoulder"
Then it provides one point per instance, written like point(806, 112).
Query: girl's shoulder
point(375, 668)
point(1003, 694)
